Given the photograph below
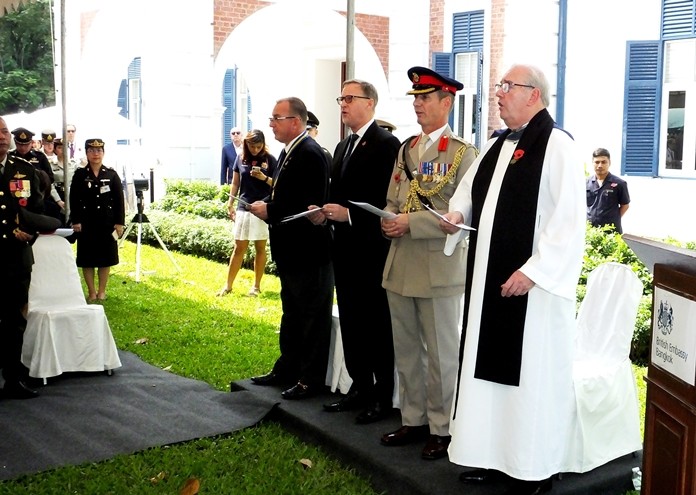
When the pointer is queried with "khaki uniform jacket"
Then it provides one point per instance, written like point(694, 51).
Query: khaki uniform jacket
point(416, 265)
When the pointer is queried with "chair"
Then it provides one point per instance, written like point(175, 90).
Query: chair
point(63, 332)
point(608, 423)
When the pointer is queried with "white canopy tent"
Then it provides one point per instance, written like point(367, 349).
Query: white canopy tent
point(10, 5)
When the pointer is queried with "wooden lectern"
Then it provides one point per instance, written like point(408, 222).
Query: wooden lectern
point(669, 450)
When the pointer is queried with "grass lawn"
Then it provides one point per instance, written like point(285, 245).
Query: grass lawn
point(174, 320)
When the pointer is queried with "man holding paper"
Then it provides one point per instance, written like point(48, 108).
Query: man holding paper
point(425, 287)
point(515, 402)
point(300, 250)
point(362, 165)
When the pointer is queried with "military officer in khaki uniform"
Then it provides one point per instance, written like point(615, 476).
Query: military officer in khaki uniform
point(425, 287)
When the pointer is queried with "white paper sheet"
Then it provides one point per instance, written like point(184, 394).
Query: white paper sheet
point(299, 215)
point(372, 209)
point(441, 217)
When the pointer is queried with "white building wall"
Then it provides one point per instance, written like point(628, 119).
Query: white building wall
point(596, 63)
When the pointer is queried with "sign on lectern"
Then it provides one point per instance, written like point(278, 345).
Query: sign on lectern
point(670, 409)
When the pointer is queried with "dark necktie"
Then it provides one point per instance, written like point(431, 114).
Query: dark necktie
point(349, 151)
point(281, 160)
point(72, 150)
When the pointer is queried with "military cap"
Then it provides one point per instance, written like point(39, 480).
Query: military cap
point(32, 223)
point(386, 125)
point(48, 135)
point(22, 135)
point(427, 80)
point(312, 120)
point(58, 142)
point(94, 143)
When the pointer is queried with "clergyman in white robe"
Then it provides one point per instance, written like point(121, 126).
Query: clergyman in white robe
point(524, 430)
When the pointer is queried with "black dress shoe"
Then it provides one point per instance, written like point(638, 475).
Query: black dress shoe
point(521, 487)
point(271, 378)
point(405, 435)
point(436, 447)
point(478, 476)
point(18, 390)
point(300, 391)
point(352, 400)
point(375, 412)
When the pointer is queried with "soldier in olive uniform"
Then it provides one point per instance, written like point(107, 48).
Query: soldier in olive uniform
point(425, 287)
point(98, 217)
point(19, 189)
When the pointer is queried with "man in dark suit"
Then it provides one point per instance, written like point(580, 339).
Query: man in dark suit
point(362, 166)
point(300, 250)
point(229, 155)
point(19, 190)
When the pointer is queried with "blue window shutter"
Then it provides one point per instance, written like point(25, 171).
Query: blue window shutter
point(229, 101)
point(248, 111)
point(122, 100)
point(443, 63)
point(467, 31)
point(678, 17)
point(134, 69)
point(641, 122)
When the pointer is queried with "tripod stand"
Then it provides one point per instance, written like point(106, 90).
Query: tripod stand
point(138, 220)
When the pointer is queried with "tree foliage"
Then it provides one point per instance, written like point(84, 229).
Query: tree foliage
point(26, 59)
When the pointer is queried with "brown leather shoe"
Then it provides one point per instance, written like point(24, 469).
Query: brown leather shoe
point(436, 447)
point(405, 435)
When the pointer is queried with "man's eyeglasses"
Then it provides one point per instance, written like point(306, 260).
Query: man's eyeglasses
point(349, 98)
point(507, 86)
point(71, 130)
point(235, 133)
point(277, 118)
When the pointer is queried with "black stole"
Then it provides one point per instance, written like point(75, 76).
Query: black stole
point(499, 355)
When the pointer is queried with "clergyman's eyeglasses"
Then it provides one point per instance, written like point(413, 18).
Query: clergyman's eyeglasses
point(508, 85)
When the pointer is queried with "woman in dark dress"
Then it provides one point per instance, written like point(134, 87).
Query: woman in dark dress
point(98, 217)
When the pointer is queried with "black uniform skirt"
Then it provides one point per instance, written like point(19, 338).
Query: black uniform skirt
point(96, 247)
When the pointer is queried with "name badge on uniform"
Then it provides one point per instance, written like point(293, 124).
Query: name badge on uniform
point(104, 189)
point(20, 188)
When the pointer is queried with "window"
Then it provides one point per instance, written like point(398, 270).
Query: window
point(678, 112)
point(466, 109)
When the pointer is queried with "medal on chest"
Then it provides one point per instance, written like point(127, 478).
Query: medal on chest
point(20, 188)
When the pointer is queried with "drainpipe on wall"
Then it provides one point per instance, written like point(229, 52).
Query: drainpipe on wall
point(350, 38)
point(560, 72)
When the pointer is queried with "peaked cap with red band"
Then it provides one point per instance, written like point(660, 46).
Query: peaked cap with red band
point(426, 81)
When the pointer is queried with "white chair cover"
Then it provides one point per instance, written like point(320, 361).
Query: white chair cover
point(337, 376)
point(63, 332)
point(608, 424)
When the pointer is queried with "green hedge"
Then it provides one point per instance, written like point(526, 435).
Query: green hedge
point(192, 218)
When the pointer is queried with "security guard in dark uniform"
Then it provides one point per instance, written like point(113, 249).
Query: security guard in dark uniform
point(19, 190)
